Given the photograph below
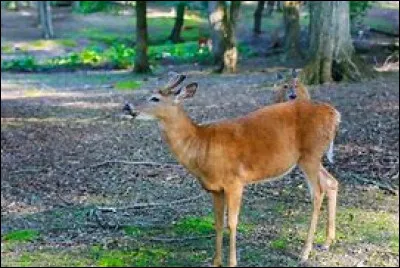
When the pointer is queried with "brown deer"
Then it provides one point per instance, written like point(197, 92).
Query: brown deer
point(263, 145)
point(290, 89)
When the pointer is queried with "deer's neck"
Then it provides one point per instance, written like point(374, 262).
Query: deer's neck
point(183, 137)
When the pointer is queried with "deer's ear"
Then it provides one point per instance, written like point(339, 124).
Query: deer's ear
point(186, 92)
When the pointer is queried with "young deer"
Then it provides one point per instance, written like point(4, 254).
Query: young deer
point(290, 90)
point(262, 145)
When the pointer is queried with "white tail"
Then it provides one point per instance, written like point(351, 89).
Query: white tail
point(227, 155)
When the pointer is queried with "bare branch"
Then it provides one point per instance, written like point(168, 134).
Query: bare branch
point(169, 240)
point(148, 163)
point(147, 205)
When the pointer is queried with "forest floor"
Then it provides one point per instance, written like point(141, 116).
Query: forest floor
point(72, 192)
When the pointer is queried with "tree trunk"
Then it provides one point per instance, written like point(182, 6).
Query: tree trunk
point(332, 56)
point(223, 23)
point(279, 5)
point(141, 59)
point(258, 17)
point(45, 19)
point(291, 18)
point(175, 36)
point(270, 7)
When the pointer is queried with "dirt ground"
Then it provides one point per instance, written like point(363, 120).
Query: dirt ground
point(68, 172)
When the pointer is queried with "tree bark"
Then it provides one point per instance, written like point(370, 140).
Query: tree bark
point(46, 22)
point(223, 24)
point(141, 59)
point(175, 36)
point(258, 17)
point(332, 56)
point(291, 18)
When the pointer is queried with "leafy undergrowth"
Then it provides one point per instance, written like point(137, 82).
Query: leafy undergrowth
point(118, 56)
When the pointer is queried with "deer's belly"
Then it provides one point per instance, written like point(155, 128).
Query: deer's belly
point(259, 177)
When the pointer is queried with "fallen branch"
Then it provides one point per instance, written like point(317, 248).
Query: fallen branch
point(67, 203)
point(378, 184)
point(148, 163)
point(28, 170)
point(168, 240)
point(147, 205)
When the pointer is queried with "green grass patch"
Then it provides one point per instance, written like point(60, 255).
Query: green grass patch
point(381, 25)
point(105, 37)
point(355, 226)
point(161, 27)
point(7, 49)
point(50, 259)
point(127, 258)
point(132, 230)
point(280, 243)
point(21, 236)
point(203, 226)
point(42, 44)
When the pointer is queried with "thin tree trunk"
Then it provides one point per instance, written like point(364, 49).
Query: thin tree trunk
point(76, 5)
point(258, 17)
point(141, 60)
point(216, 16)
point(332, 56)
point(270, 7)
point(279, 5)
point(45, 19)
point(291, 18)
point(175, 36)
point(223, 23)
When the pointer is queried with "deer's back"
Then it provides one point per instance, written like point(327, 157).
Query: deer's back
point(269, 141)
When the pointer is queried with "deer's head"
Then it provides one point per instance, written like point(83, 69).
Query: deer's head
point(289, 88)
point(165, 101)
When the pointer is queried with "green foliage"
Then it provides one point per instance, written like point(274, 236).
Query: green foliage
point(21, 235)
point(131, 230)
point(359, 8)
point(280, 244)
point(117, 56)
point(87, 7)
point(27, 63)
point(121, 56)
point(184, 52)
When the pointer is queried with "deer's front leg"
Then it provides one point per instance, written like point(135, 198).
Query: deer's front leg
point(219, 210)
point(234, 198)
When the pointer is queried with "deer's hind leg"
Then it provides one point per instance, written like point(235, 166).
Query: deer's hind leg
point(330, 186)
point(311, 169)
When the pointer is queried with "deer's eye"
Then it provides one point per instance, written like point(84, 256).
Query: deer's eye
point(285, 86)
point(154, 99)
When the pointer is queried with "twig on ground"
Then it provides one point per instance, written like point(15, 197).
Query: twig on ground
point(28, 170)
point(378, 184)
point(148, 163)
point(67, 203)
point(147, 205)
point(169, 240)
